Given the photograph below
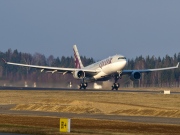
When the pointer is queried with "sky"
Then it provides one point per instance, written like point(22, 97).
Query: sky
point(99, 28)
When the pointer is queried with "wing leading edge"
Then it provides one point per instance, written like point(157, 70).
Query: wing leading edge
point(149, 70)
point(53, 69)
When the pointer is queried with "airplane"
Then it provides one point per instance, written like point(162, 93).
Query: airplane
point(111, 67)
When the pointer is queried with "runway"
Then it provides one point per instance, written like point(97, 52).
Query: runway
point(86, 90)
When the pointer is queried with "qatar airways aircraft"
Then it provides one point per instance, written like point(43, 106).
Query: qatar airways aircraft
point(111, 67)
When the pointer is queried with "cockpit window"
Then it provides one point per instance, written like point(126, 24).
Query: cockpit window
point(121, 58)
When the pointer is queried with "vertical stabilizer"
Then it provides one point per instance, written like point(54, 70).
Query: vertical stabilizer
point(77, 60)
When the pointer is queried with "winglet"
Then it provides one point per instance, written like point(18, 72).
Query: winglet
point(4, 60)
point(177, 65)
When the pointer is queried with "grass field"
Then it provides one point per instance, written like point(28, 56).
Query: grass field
point(50, 126)
point(116, 103)
point(142, 104)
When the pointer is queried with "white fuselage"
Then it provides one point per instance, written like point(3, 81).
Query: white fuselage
point(114, 64)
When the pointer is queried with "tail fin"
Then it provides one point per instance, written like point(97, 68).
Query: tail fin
point(77, 60)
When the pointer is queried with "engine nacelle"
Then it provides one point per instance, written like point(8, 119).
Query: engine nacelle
point(135, 76)
point(79, 74)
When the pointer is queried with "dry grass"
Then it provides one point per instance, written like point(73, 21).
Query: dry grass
point(50, 126)
point(172, 89)
point(118, 103)
point(137, 104)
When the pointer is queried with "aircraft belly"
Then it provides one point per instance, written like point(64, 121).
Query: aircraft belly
point(99, 75)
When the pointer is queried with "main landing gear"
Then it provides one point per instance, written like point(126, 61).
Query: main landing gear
point(116, 85)
point(83, 85)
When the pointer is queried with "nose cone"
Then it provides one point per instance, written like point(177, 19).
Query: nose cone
point(124, 62)
point(121, 60)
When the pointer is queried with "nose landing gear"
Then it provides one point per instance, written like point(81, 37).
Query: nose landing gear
point(116, 85)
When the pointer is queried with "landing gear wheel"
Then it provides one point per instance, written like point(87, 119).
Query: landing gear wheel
point(115, 86)
point(83, 85)
point(116, 78)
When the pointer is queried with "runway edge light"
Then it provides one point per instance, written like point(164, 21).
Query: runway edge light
point(65, 125)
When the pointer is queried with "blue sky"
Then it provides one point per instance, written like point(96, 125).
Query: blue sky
point(100, 28)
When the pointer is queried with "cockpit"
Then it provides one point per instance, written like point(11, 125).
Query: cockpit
point(122, 57)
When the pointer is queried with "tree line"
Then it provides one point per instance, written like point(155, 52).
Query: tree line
point(166, 78)
point(10, 74)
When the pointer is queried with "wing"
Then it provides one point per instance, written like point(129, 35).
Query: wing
point(148, 70)
point(54, 69)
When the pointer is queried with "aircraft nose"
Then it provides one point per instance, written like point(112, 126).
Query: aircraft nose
point(125, 62)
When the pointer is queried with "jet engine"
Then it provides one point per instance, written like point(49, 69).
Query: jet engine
point(79, 74)
point(135, 76)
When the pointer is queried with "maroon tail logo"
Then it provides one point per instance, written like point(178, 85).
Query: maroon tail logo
point(76, 61)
